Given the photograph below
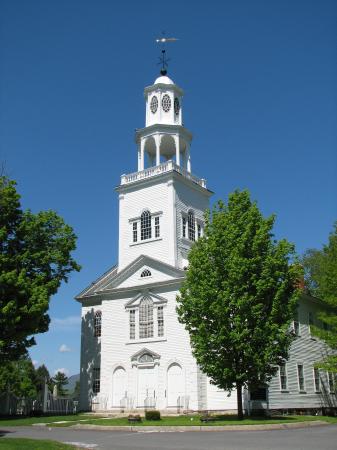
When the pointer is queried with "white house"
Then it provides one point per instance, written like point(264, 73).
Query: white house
point(134, 352)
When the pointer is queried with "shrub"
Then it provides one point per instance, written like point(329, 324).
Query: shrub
point(152, 415)
point(134, 418)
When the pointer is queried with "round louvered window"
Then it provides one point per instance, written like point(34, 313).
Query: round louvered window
point(154, 104)
point(166, 103)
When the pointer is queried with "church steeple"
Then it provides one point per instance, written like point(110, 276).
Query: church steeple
point(164, 136)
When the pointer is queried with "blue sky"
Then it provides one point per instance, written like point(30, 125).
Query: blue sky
point(260, 98)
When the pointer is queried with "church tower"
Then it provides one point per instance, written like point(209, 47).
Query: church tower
point(161, 206)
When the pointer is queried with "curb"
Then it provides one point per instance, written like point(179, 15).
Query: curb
point(214, 428)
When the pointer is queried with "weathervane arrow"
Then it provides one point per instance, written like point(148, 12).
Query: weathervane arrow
point(162, 59)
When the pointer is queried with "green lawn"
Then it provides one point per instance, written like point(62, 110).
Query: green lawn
point(31, 444)
point(15, 421)
point(165, 421)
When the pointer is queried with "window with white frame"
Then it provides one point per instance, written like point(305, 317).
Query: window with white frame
point(331, 382)
point(184, 222)
point(96, 380)
point(300, 376)
point(145, 273)
point(132, 319)
point(146, 318)
point(156, 227)
point(135, 231)
point(160, 320)
point(191, 226)
point(98, 324)
point(199, 230)
point(145, 225)
point(317, 381)
point(283, 377)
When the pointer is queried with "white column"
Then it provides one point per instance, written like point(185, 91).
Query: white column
point(141, 155)
point(188, 158)
point(157, 139)
point(177, 144)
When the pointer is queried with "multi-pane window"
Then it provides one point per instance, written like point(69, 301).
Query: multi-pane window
point(184, 227)
point(160, 318)
point(199, 231)
point(156, 227)
point(331, 382)
point(132, 318)
point(283, 377)
point(300, 375)
point(296, 325)
point(145, 225)
point(96, 380)
point(317, 380)
point(145, 273)
point(98, 324)
point(191, 226)
point(146, 318)
point(135, 231)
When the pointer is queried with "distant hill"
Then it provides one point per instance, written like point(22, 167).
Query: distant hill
point(71, 382)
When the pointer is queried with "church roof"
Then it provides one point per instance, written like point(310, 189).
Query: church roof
point(163, 79)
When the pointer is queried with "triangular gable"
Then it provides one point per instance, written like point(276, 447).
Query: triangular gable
point(134, 302)
point(99, 283)
point(131, 274)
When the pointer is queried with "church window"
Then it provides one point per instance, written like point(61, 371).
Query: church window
point(98, 324)
point(191, 226)
point(199, 231)
point(154, 104)
point(146, 318)
point(156, 227)
point(184, 227)
point(166, 103)
point(96, 380)
point(134, 231)
point(132, 324)
point(160, 318)
point(146, 358)
point(145, 225)
point(145, 273)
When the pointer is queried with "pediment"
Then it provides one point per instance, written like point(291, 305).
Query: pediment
point(145, 351)
point(134, 302)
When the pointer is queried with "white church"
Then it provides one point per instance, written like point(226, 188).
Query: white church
point(134, 352)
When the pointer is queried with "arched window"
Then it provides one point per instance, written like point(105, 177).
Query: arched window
point(145, 225)
point(145, 273)
point(145, 358)
point(191, 226)
point(98, 324)
point(146, 318)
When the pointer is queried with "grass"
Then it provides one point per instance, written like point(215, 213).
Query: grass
point(32, 444)
point(165, 421)
point(18, 421)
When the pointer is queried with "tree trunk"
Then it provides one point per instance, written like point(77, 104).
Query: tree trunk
point(239, 400)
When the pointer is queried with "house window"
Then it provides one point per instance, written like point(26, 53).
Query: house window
point(300, 375)
point(145, 273)
point(283, 377)
point(96, 380)
point(134, 231)
point(98, 324)
point(156, 227)
point(317, 380)
point(296, 325)
point(132, 324)
point(160, 318)
point(191, 226)
point(146, 318)
point(199, 231)
point(145, 225)
point(331, 382)
point(184, 227)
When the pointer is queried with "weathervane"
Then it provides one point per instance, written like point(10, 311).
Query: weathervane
point(163, 60)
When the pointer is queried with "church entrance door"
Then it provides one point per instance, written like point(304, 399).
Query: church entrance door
point(119, 386)
point(175, 385)
point(146, 387)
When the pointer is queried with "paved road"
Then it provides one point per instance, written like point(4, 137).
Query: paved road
point(318, 438)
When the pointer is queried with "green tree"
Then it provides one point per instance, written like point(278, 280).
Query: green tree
point(43, 376)
point(320, 268)
point(60, 380)
point(35, 257)
point(239, 296)
point(19, 377)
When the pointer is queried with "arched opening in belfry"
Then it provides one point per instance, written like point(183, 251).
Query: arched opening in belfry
point(149, 153)
point(167, 148)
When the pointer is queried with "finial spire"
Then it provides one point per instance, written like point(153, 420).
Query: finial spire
point(163, 60)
